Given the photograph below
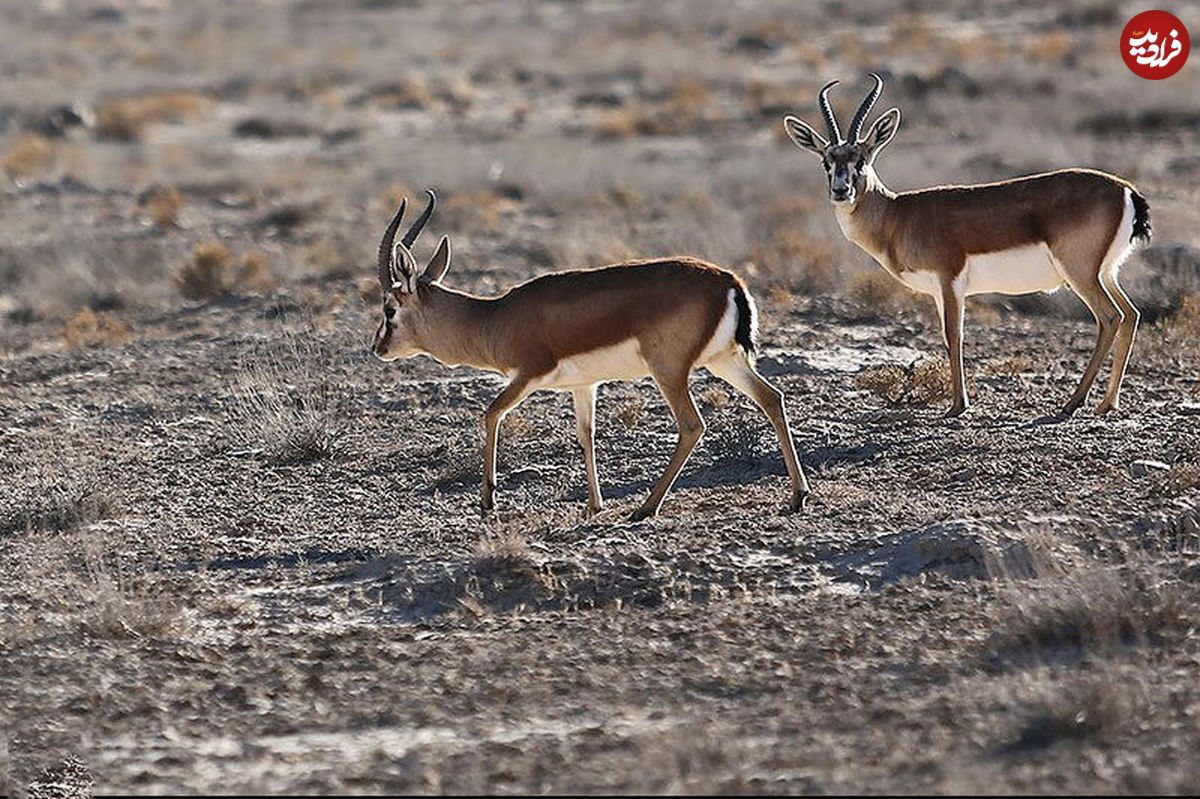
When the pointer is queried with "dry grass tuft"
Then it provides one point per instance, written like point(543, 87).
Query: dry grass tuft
point(922, 384)
point(87, 328)
point(60, 505)
point(1085, 708)
point(213, 271)
point(29, 154)
point(1178, 480)
point(1184, 324)
point(630, 411)
point(877, 294)
point(783, 246)
point(286, 412)
point(475, 211)
point(162, 206)
point(113, 603)
point(517, 426)
point(1007, 366)
point(1090, 603)
point(125, 118)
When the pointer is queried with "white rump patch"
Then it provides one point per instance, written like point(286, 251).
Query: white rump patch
point(1121, 246)
point(1020, 270)
point(724, 338)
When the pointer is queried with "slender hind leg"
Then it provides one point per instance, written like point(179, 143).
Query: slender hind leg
point(585, 411)
point(1124, 343)
point(737, 371)
point(1108, 319)
point(674, 387)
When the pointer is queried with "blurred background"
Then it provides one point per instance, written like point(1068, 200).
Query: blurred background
point(159, 151)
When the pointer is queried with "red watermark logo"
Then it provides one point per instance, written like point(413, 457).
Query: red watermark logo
point(1155, 44)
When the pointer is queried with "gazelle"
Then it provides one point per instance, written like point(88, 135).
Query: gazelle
point(1017, 236)
point(573, 330)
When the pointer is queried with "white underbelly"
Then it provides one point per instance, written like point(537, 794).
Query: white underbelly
point(621, 361)
point(1020, 270)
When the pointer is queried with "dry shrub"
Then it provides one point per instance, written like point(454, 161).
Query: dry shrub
point(783, 245)
point(877, 294)
point(1184, 324)
point(369, 290)
point(29, 154)
point(286, 409)
point(410, 94)
point(112, 602)
point(1051, 48)
point(1081, 708)
point(1007, 366)
point(921, 384)
point(60, 504)
point(1176, 481)
point(87, 328)
point(1081, 603)
point(631, 410)
point(621, 123)
point(162, 206)
point(683, 107)
point(213, 271)
point(475, 211)
point(714, 396)
point(125, 118)
point(688, 98)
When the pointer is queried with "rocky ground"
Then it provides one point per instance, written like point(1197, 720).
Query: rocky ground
point(243, 556)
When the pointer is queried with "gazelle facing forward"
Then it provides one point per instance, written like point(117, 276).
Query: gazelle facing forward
point(573, 330)
point(1018, 236)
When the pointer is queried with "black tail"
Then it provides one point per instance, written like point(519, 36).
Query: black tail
point(1141, 218)
point(746, 326)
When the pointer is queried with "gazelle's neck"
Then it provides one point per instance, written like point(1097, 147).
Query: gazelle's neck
point(456, 329)
point(864, 221)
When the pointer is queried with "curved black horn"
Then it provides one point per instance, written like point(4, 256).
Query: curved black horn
point(415, 230)
point(860, 115)
point(385, 247)
point(827, 112)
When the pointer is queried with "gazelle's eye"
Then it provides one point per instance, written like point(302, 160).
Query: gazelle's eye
point(389, 312)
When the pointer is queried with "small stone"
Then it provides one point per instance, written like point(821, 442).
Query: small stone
point(1144, 468)
point(1190, 408)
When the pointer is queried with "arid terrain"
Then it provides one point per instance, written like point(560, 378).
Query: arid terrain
point(242, 555)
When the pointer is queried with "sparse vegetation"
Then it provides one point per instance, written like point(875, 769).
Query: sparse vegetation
point(125, 118)
point(213, 271)
point(162, 206)
point(87, 328)
point(28, 155)
point(923, 383)
point(241, 527)
point(286, 413)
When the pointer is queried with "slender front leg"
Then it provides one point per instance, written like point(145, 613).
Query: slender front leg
point(512, 394)
point(585, 414)
point(674, 387)
point(952, 308)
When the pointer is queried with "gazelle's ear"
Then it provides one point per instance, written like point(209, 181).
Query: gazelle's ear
point(803, 136)
point(882, 132)
point(439, 263)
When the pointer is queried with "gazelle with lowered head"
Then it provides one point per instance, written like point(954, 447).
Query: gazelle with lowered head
point(572, 330)
point(1018, 236)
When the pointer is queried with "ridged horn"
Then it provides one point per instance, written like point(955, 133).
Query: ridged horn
point(415, 230)
point(827, 112)
point(860, 115)
point(385, 248)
